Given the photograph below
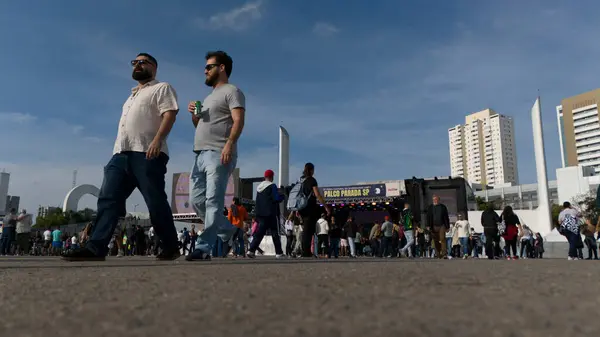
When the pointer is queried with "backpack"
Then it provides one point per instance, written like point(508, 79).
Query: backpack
point(297, 200)
point(501, 227)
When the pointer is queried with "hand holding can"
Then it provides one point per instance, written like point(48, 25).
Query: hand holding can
point(197, 108)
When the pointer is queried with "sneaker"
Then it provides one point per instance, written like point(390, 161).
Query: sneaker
point(570, 258)
point(81, 254)
point(251, 255)
point(280, 256)
point(120, 253)
point(168, 256)
point(197, 255)
point(465, 257)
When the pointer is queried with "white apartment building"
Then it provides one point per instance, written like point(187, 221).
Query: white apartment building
point(483, 150)
point(579, 130)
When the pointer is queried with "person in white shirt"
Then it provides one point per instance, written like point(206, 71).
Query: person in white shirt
point(323, 235)
point(23, 232)
point(463, 229)
point(139, 160)
point(74, 241)
point(569, 227)
point(47, 240)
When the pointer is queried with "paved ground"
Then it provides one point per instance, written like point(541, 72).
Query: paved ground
point(266, 297)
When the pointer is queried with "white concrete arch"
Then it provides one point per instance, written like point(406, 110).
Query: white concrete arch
point(75, 194)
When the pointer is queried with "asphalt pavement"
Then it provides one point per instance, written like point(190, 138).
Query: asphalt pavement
point(138, 296)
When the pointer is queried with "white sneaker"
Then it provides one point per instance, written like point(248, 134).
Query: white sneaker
point(280, 256)
point(120, 253)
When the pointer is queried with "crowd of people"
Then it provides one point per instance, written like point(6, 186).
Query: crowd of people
point(140, 158)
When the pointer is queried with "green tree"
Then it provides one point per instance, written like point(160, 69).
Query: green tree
point(555, 209)
point(54, 218)
point(481, 204)
point(587, 204)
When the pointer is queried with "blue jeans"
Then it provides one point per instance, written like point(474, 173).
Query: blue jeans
point(8, 236)
point(572, 238)
point(124, 172)
point(334, 247)
point(449, 246)
point(464, 244)
point(217, 250)
point(208, 184)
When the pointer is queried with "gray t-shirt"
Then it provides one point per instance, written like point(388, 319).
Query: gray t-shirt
point(215, 123)
point(387, 229)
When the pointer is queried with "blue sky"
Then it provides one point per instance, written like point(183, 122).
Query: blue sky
point(367, 90)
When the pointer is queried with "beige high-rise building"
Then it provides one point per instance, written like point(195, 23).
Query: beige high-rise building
point(579, 130)
point(483, 150)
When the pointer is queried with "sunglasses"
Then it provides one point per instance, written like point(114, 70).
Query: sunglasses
point(209, 67)
point(140, 62)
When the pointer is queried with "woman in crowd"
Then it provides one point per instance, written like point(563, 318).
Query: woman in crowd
point(511, 233)
point(310, 213)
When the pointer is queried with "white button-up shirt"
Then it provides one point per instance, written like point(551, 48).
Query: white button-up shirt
point(142, 116)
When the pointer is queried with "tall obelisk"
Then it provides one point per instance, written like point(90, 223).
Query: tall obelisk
point(544, 215)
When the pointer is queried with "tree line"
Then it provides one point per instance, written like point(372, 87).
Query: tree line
point(56, 217)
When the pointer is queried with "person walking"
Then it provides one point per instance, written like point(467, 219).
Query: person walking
point(219, 124)
point(266, 210)
point(438, 223)
point(139, 160)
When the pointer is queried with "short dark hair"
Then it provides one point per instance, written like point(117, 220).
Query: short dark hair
point(222, 58)
point(150, 57)
point(566, 204)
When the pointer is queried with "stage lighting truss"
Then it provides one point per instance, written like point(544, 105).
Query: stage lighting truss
point(364, 203)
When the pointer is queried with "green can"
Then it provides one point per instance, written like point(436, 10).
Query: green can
point(198, 108)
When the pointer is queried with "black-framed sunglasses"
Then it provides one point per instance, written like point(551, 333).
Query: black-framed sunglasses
point(209, 67)
point(140, 62)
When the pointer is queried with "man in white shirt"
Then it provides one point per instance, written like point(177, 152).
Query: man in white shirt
point(463, 228)
point(322, 236)
point(139, 160)
point(47, 240)
point(23, 232)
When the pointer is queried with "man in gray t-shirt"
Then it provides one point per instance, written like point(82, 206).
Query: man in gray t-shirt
point(219, 124)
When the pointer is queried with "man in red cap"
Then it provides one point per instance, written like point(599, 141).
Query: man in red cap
point(266, 210)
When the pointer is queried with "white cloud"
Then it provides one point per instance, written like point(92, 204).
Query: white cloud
point(325, 29)
point(16, 117)
point(236, 19)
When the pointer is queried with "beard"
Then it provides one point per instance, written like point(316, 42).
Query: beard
point(141, 75)
point(212, 80)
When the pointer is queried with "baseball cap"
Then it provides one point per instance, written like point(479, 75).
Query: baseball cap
point(269, 174)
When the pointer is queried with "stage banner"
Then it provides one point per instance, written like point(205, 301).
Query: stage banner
point(354, 192)
point(180, 193)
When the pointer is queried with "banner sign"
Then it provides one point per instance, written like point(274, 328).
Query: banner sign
point(354, 192)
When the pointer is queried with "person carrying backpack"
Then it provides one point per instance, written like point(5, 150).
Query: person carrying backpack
point(266, 209)
point(303, 198)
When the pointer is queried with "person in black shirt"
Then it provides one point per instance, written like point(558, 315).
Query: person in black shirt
point(438, 222)
point(489, 221)
point(311, 213)
point(350, 230)
point(335, 235)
